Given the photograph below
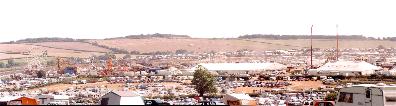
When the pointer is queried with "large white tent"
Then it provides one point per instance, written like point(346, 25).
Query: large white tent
point(242, 67)
point(347, 68)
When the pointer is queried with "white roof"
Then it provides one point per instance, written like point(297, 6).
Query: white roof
point(348, 66)
point(9, 98)
point(61, 96)
point(241, 96)
point(241, 66)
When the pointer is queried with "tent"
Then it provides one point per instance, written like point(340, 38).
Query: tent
point(122, 98)
point(239, 99)
point(347, 68)
point(242, 67)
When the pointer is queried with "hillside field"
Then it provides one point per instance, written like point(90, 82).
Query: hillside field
point(198, 45)
point(206, 45)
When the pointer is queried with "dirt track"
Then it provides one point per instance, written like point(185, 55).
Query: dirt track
point(296, 85)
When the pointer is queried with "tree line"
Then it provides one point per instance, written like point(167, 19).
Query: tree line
point(10, 63)
point(156, 35)
point(389, 38)
point(45, 39)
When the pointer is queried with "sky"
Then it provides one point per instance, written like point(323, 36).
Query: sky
point(97, 19)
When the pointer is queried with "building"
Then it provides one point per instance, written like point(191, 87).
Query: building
point(53, 99)
point(346, 68)
point(240, 68)
point(27, 101)
point(17, 100)
point(121, 98)
point(238, 100)
point(44, 99)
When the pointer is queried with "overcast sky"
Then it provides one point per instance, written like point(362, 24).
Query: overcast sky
point(200, 18)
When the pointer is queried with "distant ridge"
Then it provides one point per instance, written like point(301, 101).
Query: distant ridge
point(45, 39)
point(156, 35)
point(171, 36)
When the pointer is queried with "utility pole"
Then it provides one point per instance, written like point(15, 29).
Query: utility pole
point(58, 63)
point(311, 67)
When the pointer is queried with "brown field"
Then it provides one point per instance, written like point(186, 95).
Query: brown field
point(62, 87)
point(296, 85)
point(74, 46)
point(62, 49)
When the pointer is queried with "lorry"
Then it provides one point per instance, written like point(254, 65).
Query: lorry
point(367, 95)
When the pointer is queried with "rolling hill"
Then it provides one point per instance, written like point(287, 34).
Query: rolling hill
point(87, 48)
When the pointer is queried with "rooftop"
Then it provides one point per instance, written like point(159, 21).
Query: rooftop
point(241, 96)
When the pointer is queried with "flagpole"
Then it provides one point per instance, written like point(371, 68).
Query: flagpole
point(337, 44)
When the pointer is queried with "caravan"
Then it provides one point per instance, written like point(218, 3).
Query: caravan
point(367, 95)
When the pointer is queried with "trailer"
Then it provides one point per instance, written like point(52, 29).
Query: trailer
point(367, 95)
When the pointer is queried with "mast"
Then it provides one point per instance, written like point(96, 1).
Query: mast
point(337, 43)
point(311, 67)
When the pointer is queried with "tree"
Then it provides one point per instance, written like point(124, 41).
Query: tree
point(2, 65)
point(10, 63)
point(107, 56)
point(51, 62)
point(127, 56)
point(134, 52)
point(41, 74)
point(204, 81)
point(181, 51)
point(331, 97)
point(380, 47)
